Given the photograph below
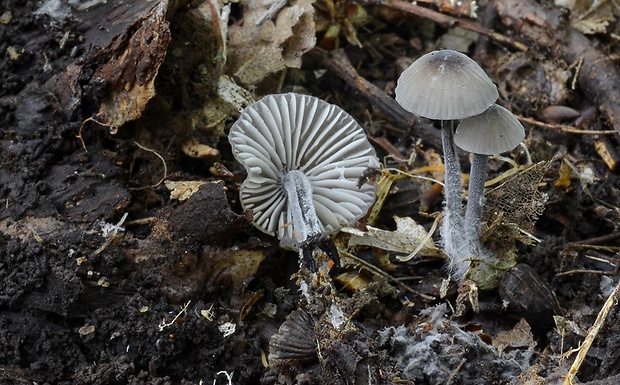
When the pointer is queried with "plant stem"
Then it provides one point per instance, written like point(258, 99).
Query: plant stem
point(475, 198)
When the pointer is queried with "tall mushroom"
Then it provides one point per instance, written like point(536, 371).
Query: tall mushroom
point(447, 85)
point(304, 158)
point(494, 131)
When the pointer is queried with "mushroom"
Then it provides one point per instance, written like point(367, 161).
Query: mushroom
point(494, 131)
point(304, 158)
point(447, 85)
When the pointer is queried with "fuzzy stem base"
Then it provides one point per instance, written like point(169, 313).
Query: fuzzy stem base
point(452, 231)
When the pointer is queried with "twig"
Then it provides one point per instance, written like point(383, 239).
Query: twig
point(583, 271)
point(91, 119)
point(448, 21)
point(563, 128)
point(375, 270)
point(592, 333)
point(162, 160)
point(163, 324)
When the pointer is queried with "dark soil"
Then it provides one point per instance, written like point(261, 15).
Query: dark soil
point(190, 292)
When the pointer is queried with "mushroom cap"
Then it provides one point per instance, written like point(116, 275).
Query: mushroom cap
point(285, 132)
point(445, 85)
point(494, 131)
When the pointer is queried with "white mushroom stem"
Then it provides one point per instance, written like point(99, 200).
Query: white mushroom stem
point(452, 231)
point(452, 186)
point(299, 191)
point(475, 200)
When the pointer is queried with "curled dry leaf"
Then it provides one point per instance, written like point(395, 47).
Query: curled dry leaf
point(272, 37)
point(405, 239)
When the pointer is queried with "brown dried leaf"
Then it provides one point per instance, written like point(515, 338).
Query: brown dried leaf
point(518, 337)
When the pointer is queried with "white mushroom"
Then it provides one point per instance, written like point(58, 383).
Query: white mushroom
point(304, 158)
point(445, 85)
point(494, 131)
point(448, 85)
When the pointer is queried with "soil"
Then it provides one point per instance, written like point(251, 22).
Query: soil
point(105, 278)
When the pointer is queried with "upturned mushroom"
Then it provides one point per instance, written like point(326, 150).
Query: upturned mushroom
point(304, 158)
point(447, 85)
point(494, 131)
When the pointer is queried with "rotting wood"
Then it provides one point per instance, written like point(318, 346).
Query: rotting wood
point(599, 77)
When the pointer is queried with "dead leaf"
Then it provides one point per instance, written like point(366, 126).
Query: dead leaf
point(272, 37)
point(184, 189)
point(520, 336)
point(589, 16)
point(405, 239)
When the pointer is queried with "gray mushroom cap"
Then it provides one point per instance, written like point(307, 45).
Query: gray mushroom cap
point(445, 85)
point(494, 131)
point(286, 132)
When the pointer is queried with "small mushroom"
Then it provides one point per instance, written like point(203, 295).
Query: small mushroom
point(447, 85)
point(494, 131)
point(304, 158)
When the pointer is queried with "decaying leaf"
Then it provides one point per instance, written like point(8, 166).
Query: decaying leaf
point(335, 18)
point(589, 16)
point(184, 189)
point(510, 214)
point(405, 239)
point(231, 268)
point(273, 36)
point(512, 208)
point(235, 95)
point(518, 337)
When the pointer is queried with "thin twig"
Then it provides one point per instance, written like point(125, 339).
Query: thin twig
point(162, 160)
point(563, 128)
point(592, 333)
point(375, 270)
point(583, 271)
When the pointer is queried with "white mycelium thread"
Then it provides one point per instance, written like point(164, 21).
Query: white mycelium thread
point(286, 132)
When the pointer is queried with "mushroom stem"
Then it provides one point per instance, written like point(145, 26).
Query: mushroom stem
point(299, 191)
point(452, 232)
point(452, 187)
point(475, 198)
